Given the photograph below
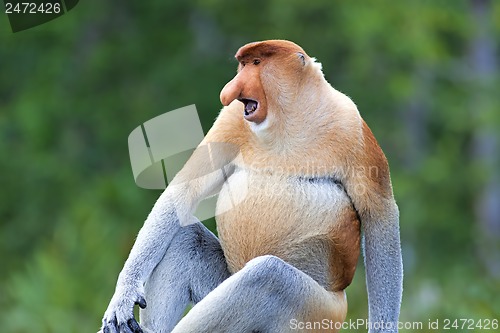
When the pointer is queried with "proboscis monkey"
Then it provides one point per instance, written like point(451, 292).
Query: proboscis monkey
point(299, 176)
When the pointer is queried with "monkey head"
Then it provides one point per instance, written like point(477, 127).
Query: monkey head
point(268, 78)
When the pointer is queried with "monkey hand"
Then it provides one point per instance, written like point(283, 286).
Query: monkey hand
point(119, 317)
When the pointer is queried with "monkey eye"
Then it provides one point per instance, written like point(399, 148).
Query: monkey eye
point(256, 62)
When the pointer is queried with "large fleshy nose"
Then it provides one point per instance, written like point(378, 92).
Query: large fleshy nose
point(231, 91)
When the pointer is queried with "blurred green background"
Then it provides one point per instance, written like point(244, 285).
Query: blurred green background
point(424, 74)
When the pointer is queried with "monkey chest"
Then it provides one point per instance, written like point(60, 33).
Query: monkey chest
point(299, 219)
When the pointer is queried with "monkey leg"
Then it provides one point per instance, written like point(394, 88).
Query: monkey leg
point(193, 265)
point(267, 296)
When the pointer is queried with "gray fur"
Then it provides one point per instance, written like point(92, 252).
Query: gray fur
point(384, 269)
point(193, 265)
point(179, 265)
point(262, 297)
point(170, 266)
point(172, 209)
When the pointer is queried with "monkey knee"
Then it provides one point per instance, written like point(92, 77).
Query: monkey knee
point(271, 273)
point(264, 265)
point(265, 258)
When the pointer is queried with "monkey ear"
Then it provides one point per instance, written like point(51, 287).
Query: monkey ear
point(302, 58)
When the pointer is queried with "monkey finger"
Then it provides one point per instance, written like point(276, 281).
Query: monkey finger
point(110, 326)
point(141, 302)
point(134, 326)
point(124, 328)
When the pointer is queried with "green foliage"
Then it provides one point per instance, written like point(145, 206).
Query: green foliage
point(72, 90)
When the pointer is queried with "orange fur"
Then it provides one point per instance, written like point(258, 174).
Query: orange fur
point(303, 129)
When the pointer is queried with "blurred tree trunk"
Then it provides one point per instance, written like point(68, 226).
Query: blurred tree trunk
point(415, 118)
point(485, 145)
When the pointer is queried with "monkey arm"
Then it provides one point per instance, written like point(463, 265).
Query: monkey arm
point(383, 261)
point(384, 268)
point(202, 176)
point(372, 196)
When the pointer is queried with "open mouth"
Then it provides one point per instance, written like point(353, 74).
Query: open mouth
point(250, 106)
